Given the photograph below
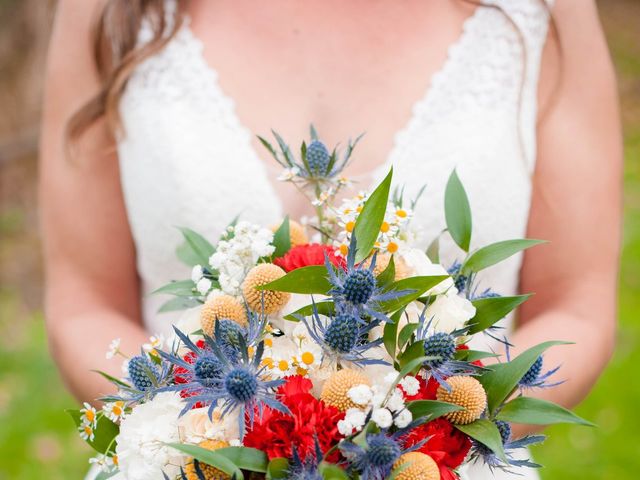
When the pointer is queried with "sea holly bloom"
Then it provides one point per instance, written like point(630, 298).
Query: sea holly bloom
point(480, 452)
point(535, 378)
point(216, 380)
point(145, 377)
point(355, 290)
point(375, 460)
point(441, 348)
point(343, 338)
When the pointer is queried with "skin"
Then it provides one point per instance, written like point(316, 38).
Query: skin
point(92, 284)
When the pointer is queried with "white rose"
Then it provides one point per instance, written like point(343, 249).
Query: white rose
point(197, 426)
point(449, 312)
point(420, 265)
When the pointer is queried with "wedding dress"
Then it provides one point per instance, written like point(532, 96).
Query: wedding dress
point(187, 160)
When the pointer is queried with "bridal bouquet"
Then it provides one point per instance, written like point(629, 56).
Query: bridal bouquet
point(330, 350)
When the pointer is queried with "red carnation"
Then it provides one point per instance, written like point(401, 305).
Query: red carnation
point(180, 373)
point(447, 445)
point(427, 390)
point(307, 255)
point(276, 433)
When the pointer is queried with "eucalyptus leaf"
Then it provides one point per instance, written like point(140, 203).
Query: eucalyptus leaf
point(500, 380)
point(310, 280)
point(431, 409)
point(179, 303)
point(535, 411)
point(200, 246)
point(331, 471)
point(405, 334)
point(490, 310)
point(282, 239)
point(324, 308)
point(495, 253)
point(183, 288)
point(277, 468)
point(457, 212)
point(246, 458)
point(370, 219)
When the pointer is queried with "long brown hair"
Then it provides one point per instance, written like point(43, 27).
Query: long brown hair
point(116, 52)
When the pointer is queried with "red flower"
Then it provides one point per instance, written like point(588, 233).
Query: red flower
point(276, 433)
point(447, 445)
point(180, 374)
point(427, 390)
point(306, 255)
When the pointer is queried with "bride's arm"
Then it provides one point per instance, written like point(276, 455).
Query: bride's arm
point(92, 291)
point(577, 207)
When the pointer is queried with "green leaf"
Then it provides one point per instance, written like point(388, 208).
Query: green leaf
point(183, 288)
point(265, 143)
point(431, 408)
point(534, 411)
point(500, 380)
point(388, 275)
point(277, 468)
point(370, 220)
point(330, 471)
point(495, 253)
point(246, 458)
point(493, 309)
point(415, 286)
point(433, 250)
point(178, 303)
point(413, 351)
point(457, 212)
point(473, 355)
point(324, 308)
point(111, 378)
point(210, 457)
point(104, 433)
point(312, 279)
point(390, 333)
point(405, 334)
point(200, 247)
point(282, 239)
point(485, 432)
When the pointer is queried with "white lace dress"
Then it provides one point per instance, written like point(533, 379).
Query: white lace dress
point(187, 160)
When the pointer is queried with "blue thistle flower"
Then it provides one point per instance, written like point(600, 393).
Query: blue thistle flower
point(460, 281)
point(480, 452)
point(142, 373)
point(306, 469)
point(344, 337)
point(355, 289)
point(146, 377)
point(535, 378)
point(375, 460)
point(217, 380)
point(317, 157)
point(441, 347)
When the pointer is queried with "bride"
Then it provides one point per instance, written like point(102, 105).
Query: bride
point(159, 101)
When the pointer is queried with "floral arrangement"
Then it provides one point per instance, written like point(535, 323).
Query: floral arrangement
point(344, 355)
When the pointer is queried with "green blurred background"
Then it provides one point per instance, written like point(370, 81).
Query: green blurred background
point(37, 440)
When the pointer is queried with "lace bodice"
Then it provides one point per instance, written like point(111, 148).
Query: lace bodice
point(186, 159)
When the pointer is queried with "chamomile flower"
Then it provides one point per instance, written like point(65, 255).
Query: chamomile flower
point(106, 463)
point(86, 432)
point(89, 415)
point(154, 343)
point(114, 348)
point(114, 411)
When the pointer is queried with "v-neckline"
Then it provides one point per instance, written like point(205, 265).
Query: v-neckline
point(421, 104)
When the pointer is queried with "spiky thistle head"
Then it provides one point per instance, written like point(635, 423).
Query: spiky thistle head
point(318, 157)
point(142, 372)
point(441, 345)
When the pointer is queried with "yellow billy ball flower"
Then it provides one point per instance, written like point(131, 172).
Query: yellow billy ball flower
point(218, 308)
point(261, 275)
point(418, 466)
point(468, 393)
point(297, 234)
point(382, 262)
point(206, 471)
point(335, 389)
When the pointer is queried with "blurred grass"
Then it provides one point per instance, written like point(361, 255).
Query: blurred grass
point(37, 440)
